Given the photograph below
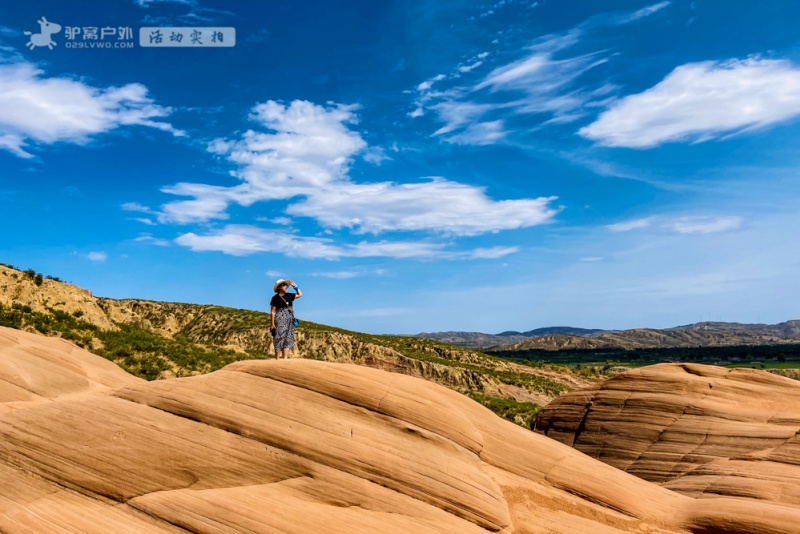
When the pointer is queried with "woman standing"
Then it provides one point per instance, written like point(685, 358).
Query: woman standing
point(282, 315)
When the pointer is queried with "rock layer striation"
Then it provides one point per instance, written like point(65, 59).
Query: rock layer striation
point(303, 446)
point(697, 429)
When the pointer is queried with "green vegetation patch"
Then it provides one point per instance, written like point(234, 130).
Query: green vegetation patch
point(777, 356)
point(138, 351)
point(521, 413)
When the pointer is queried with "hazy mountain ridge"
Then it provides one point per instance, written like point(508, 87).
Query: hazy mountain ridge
point(157, 340)
point(706, 334)
point(481, 340)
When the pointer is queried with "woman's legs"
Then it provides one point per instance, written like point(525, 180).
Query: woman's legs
point(284, 334)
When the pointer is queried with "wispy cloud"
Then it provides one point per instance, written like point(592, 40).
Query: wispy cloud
point(45, 110)
point(244, 240)
point(97, 256)
point(635, 224)
point(644, 12)
point(696, 224)
point(702, 101)
point(704, 225)
point(544, 83)
point(135, 206)
point(148, 238)
point(352, 273)
point(538, 83)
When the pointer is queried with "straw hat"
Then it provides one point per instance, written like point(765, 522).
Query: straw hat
point(279, 283)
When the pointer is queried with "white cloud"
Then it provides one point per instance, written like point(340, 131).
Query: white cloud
point(704, 225)
point(427, 84)
point(631, 225)
point(307, 156)
point(592, 259)
point(34, 108)
point(146, 221)
point(480, 133)
point(14, 143)
point(135, 206)
point(702, 101)
point(354, 273)
point(701, 224)
point(274, 273)
point(490, 253)
point(438, 205)
point(536, 66)
point(467, 68)
point(644, 12)
point(210, 202)
point(244, 240)
point(539, 82)
point(148, 238)
point(456, 114)
point(97, 256)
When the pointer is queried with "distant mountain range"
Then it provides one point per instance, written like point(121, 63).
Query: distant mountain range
point(480, 340)
point(555, 331)
point(705, 334)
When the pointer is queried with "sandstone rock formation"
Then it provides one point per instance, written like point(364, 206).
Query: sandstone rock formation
point(302, 446)
point(697, 429)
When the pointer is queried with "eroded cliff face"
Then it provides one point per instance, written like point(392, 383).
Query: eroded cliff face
point(303, 446)
point(18, 288)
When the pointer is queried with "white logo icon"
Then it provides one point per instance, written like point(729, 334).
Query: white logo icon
point(43, 38)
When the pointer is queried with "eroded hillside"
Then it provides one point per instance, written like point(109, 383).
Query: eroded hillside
point(158, 340)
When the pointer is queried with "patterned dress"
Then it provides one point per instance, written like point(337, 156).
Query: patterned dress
point(284, 321)
point(284, 329)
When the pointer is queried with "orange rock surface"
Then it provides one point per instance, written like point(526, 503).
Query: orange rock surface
point(303, 446)
point(697, 429)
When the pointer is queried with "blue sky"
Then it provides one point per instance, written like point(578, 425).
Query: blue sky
point(414, 166)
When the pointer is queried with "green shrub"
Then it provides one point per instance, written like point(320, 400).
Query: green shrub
point(521, 413)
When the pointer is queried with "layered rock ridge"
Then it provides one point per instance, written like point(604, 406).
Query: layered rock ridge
point(697, 429)
point(303, 446)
